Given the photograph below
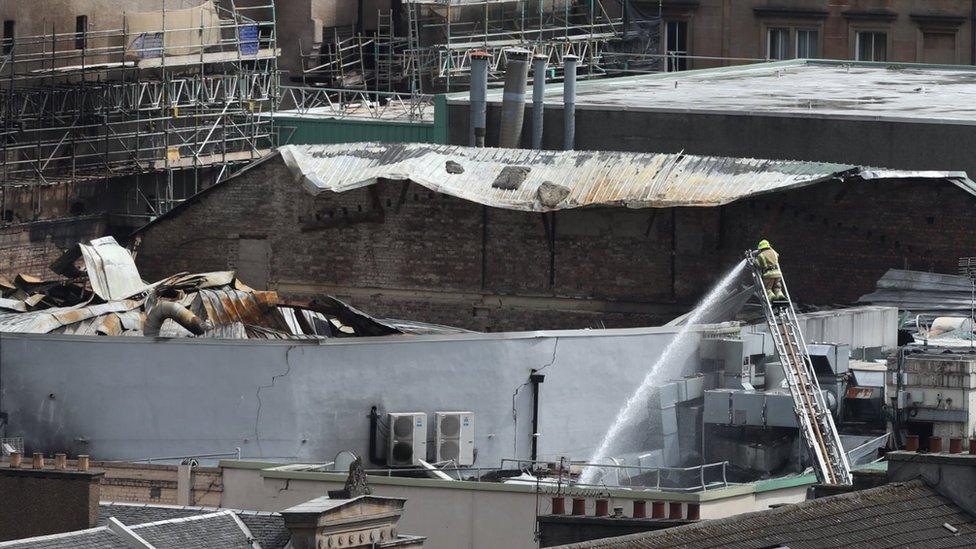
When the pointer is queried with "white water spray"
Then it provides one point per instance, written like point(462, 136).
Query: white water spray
point(675, 353)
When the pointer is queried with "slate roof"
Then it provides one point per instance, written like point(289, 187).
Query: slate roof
point(215, 531)
point(268, 529)
point(95, 538)
point(171, 527)
point(909, 514)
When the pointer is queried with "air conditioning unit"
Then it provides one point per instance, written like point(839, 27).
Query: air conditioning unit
point(407, 444)
point(455, 437)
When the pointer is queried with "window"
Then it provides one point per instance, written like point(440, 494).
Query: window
point(676, 34)
point(8, 36)
point(939, 47)
point(81, 31)
point(872, 46)
point(807, 43)
point(777, 43)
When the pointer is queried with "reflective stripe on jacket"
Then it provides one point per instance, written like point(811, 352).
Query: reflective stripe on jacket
point(769, 263)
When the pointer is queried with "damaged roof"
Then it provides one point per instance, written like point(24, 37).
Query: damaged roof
point(541, 181)
point(108, 297)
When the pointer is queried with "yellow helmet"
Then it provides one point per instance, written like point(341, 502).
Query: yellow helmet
point(764, 245)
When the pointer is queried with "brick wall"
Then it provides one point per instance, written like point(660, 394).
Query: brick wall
point(152, 483)
point(29, 248)
point(400, 250)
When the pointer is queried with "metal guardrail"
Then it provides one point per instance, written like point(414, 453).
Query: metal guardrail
point(235, 454)
point(476, 474)
point(362, 104)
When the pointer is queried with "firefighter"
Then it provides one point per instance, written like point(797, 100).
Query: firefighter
point(768, 261)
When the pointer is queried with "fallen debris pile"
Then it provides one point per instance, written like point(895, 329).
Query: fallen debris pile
point(102, 293)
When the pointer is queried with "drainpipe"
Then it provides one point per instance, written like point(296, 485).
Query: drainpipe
point(180, 314)
point(538, 104)
point(536, 380)
point(479, 90)
point(374, 419)
point(569, 102)
point(972, 32)
point(513, 98)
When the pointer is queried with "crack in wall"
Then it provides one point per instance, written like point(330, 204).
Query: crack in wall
point(257, 394)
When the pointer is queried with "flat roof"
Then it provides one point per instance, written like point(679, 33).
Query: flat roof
point(808, 88)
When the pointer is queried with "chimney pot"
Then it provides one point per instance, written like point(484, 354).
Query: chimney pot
point(935, 445)
point(640, 509)
point(694, 511)
point(83, 462)
point(674, 510)
point(657, 510)
point(911, 443)
point(602, 508)
point(61, 461)
point(579, 506)
point(558, 505)
point(14, 460)
point(38, 460)
point(955, 445)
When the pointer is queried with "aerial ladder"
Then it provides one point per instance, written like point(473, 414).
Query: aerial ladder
point(812, 413)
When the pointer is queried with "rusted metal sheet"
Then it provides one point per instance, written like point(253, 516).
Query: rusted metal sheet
point(232, 309)
point(557, 180)
point(49, 320)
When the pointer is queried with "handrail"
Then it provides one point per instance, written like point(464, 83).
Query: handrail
point(346, 103)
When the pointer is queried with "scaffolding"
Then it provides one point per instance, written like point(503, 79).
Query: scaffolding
point(168, 91)
point(432, 49)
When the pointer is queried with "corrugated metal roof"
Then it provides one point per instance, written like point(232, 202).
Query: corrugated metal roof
point(531, 180)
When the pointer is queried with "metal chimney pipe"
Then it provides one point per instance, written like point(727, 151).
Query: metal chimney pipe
point(569, 102)
point(479, 93)
point(513, 98)
point(538, 103)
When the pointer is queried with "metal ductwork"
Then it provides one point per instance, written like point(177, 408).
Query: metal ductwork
point(513, 98)
point(569, 102)
point(178, 313)
point(538, 99)
point(479, 91)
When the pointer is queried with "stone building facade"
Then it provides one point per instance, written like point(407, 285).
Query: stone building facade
point(922, 31)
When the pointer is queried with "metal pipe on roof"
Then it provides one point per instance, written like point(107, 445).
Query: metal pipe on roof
point(538, 103)
point(479, 91)
point(569, 102)
point(178, 313)
point(513, 98)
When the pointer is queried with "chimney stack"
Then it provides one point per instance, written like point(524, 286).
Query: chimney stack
point(39, 500)
point(569, 102)
point(538, 99)
point(479, 93)
point(513, 97)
